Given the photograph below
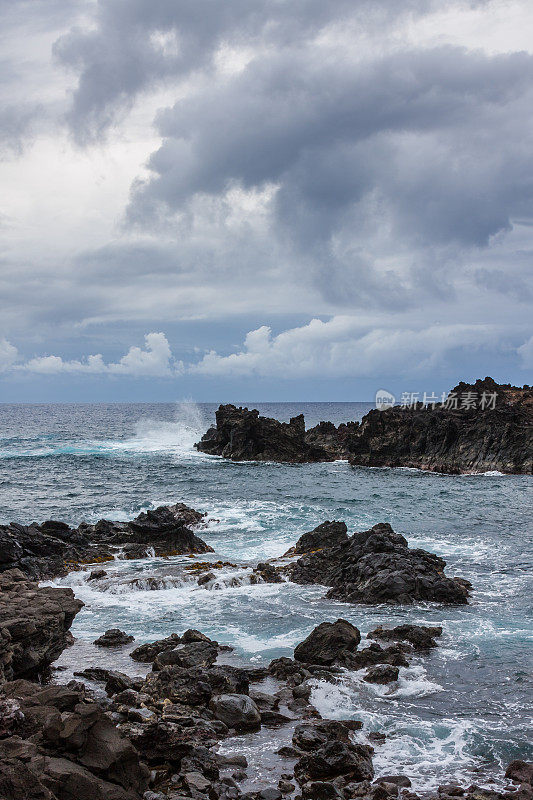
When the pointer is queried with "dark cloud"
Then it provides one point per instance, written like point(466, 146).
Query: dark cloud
point(413, 154)
point(136, 43)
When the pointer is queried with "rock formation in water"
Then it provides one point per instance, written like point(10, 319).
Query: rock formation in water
point(243, 435)
point(375, 566)
point(475, 438)
point(53, 548)
point(480, 427)
point(34, 625)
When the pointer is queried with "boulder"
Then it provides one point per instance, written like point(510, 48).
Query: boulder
point(419, 637)
point(520, 771)
point(146, 653)
point(236, 711)
point(377, 566)
point(34, 625)
point(328, 643)
point(113, 637)
point(381, 673)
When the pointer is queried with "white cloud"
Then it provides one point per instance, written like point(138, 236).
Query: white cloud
point(343, 347)
point(155, 360)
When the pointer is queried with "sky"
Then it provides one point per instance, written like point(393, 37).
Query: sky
point(264, 199)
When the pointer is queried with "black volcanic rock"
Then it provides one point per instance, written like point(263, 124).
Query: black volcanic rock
point(53, 548)
point(242, 435)
point(327, 534)
point(377, 566)
point(328, 643)
point(449, 439)
point(34, 625)
point(463, 434)
point(419, 637)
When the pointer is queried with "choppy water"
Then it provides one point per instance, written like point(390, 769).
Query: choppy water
point(462, 712)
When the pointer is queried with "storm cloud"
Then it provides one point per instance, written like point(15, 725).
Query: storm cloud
point(271, 168)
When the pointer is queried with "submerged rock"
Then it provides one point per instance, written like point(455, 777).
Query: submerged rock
point(34, 625)
point(377, 566)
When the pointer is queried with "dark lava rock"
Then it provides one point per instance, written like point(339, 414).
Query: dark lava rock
point(113, 637)
point(194, 654)
point(328, 643)
point(34, 625)
point(520, 771)
point(334, 759)
point(381, 673)
point(96, 574)
point(375, 654)
point(66, 748)
point(327, 534)
point(266, 573)
point(146, 653)
point(377, 566)
point(449, 439)
point(243, 435)
point(399, 780)
point(53, 548)
point(236, 711)
point(419, 636)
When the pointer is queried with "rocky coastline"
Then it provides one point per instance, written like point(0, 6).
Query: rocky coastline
point(158, 736)
point(478, 427)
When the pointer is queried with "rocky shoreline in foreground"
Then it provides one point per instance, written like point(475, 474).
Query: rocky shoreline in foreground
point(478, 427)
point(158, 737)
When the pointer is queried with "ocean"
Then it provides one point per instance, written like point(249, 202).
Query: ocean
point(459, 713)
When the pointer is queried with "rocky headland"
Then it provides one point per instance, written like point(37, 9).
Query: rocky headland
point(479, 427)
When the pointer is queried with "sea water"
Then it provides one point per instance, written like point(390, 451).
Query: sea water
point(459, 713)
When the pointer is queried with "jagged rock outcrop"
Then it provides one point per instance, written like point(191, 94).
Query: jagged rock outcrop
point(53, 548)
point(452, 439)
point(480, 427)
point(243, 435)
point(34, 625)
point(377, 566)
point(420, 637)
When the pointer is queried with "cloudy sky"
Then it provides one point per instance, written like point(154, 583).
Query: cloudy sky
point(264, 199)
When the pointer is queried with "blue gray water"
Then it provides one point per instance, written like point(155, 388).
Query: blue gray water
point(463, 711)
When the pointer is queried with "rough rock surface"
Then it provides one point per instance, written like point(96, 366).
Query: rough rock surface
point(243, 435)
point(455, 436)
point(34, 625)
point(53, 548)
point(236, 711)
point(420, 637)
point(327, 534)
point(328, 643)
point(448, 439)
point(113, 637)
point(63, 747)
point(377, 566)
